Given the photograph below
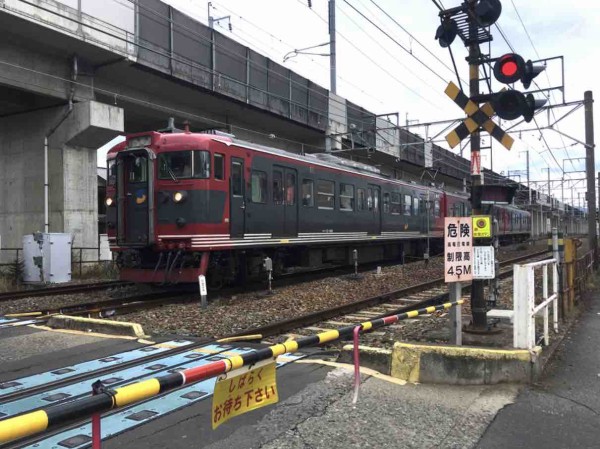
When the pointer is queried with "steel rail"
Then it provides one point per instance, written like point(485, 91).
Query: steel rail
point(64, 290)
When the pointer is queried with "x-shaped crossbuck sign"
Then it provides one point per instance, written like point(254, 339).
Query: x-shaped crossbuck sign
point(477, 117)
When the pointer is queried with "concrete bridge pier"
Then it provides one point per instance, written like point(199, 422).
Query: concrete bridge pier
point(73, 195)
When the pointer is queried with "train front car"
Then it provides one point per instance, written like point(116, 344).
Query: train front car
point(164, 189)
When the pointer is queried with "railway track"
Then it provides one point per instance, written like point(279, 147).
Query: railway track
point(64, 290)
point(430, 293)
point(25, 394)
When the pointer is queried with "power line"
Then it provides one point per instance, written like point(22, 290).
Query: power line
point(292, 47)
point(412, 37)
point(394, 40)
point(373, 61)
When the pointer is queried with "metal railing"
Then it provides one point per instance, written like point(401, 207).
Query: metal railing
point(77, 257)
point(584, 267)
point(524, 302)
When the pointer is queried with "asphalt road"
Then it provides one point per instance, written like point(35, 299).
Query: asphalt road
point(563, 410)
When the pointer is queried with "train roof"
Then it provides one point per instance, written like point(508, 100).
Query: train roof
point(322, 159)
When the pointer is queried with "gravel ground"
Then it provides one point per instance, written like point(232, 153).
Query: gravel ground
point(248, 310)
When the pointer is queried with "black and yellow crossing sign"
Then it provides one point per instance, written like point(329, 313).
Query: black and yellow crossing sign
point(477, 117)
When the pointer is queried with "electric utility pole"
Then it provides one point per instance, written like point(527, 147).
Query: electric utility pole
point(588, 101)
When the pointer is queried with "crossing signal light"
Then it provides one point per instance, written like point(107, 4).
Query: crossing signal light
point(488, 11)
point(446, 32)
point(512, 104)
point(511, 68)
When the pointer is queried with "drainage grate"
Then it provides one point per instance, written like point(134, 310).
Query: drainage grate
point(149, 349)
point(194, 395)
point(56, 397)
point(63, 371)
point(75, 441)
point(156, 367)
point(111, 380)
point(140, 416)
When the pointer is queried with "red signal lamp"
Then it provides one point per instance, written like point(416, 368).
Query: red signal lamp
point(509, 68)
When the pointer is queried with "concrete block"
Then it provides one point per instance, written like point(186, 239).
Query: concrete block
point(462, 365)
point(377, 359)
point(96, 325)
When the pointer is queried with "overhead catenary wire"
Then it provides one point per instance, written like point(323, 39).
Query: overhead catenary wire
point(289, 46)
point(383, 69)
point(394, 40)
point(414, 38)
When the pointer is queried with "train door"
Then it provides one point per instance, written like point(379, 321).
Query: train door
point(135, 198)
point(237, 203)
point(285, 201)
point(374, 204)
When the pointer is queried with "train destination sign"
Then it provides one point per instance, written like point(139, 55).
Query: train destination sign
point(482, 226)
point(458, 249)
point(243, 390)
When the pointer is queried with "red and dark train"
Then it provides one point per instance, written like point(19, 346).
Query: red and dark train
point(182, 204)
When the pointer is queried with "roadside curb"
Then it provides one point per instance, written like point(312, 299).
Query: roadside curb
point(460, 365)
point(96, 325)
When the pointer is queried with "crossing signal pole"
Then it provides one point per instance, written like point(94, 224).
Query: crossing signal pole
point(478, 304)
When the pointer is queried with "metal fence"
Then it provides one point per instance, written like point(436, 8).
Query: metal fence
point(79, 258)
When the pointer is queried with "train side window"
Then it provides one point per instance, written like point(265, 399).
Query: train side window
point(236, 178)
point(395, 206)
point(308, 192)
point(370, 199)
point(361, 199)
point(259, 187)
point(436, 208)
point(277, 187)
point(325, 194)
point(415, 206)
point(407, 204)
point(386, 203)
point(201, 164)
point(219, 166)
point(290, 188)
point(346, 197)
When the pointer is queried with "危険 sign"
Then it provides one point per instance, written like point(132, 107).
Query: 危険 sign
point(458, 249)
point(484, 263)
point(243, 390)
point(482, 226)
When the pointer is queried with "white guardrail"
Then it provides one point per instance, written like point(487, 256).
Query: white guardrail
point(524, 300)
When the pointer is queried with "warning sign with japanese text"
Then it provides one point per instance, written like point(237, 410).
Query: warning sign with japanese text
point(484, 262)
point(482, 226)
point(243, 390)
point(458, 249)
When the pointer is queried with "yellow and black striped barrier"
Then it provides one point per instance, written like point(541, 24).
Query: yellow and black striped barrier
point(477, 117)
point(32, 423)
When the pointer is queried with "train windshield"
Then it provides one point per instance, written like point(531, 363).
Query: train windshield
point(184, 164)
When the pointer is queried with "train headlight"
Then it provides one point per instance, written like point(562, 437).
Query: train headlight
point(179, 197)
point(109, 201)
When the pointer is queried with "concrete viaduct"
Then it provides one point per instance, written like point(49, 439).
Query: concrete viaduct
point(75, 73)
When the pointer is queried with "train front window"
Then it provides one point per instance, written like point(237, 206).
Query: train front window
point(138, 170)
point(201, 164)
point(175, 165)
